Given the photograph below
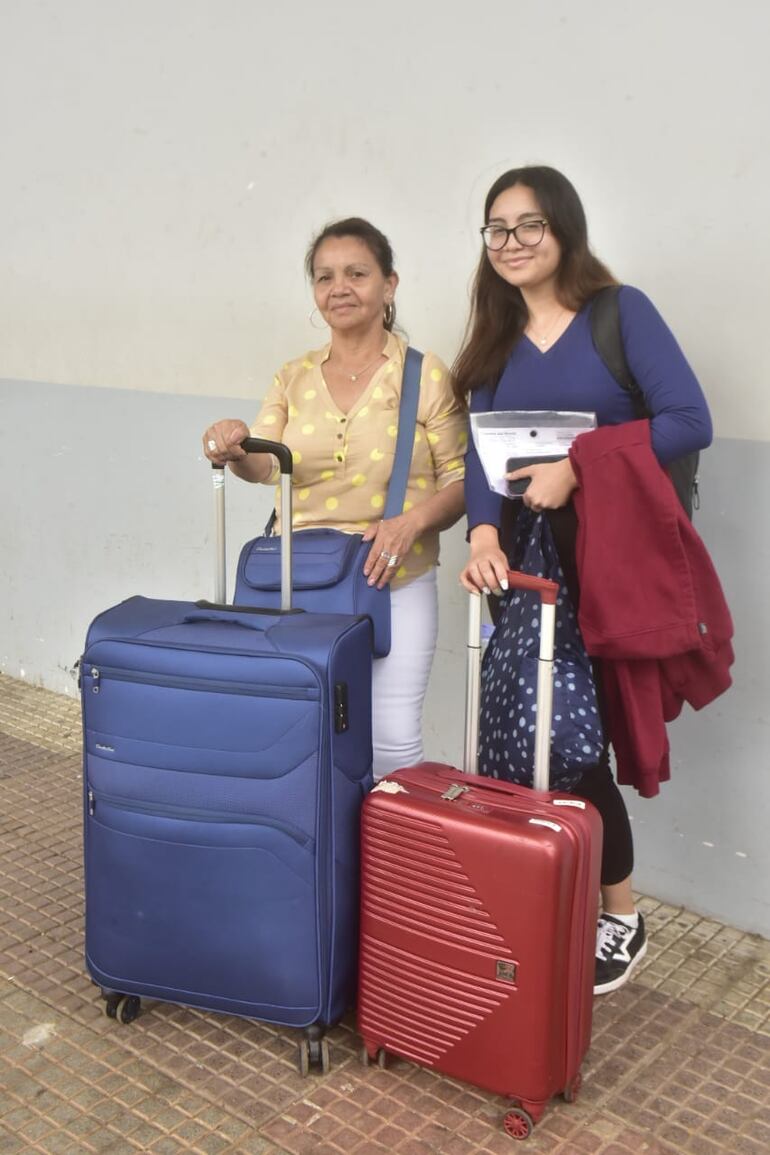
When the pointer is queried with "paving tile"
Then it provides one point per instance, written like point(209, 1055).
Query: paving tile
point(743, 1145)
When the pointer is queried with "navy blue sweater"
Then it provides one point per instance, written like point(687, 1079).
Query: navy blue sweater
point(571, 375)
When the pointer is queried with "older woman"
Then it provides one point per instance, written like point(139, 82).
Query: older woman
point(337, 409)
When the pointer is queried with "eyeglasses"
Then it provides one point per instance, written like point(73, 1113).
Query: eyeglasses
point(528, 234)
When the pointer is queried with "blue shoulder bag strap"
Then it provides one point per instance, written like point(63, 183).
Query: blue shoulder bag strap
point(407, 421)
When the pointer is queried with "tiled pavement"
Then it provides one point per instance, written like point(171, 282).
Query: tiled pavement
point(680, 1059)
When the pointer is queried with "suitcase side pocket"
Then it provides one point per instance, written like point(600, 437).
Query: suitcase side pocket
point(205, 909)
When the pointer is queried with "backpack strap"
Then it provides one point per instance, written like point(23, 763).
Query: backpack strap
point(407, 420)
point(608, 342)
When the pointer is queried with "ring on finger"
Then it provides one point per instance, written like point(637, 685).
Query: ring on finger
point(392, 561)
point(211, 444)
point(385, 555)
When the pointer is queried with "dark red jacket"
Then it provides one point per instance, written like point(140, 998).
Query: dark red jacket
point(651, 605)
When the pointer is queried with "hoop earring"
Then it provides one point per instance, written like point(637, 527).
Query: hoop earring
point(312, 322)
point(388, 314)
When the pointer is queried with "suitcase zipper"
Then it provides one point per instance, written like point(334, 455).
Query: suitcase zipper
point(165, 810)
point(97, 673)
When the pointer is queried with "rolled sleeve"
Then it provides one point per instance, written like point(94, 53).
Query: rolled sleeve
point(270, 422)
point(444, 421)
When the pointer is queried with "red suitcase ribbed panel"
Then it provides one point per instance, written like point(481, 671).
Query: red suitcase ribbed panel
point(415, 881)
point(417, 1014)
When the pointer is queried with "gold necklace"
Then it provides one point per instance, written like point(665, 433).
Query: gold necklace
point(543, 341)
point(360, 372)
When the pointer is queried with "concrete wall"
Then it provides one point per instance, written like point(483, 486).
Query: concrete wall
point(164, 166)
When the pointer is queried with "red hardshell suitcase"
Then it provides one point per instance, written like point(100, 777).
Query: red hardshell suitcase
point(478, 914)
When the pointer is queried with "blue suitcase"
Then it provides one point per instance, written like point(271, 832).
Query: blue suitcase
point(226, 755)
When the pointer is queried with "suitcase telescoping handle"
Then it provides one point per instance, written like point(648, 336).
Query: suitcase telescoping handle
point(548, 591)
point(286, 464)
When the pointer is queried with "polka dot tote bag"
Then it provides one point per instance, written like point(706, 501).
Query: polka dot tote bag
point(509, 677)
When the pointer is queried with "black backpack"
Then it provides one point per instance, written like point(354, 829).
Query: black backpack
point(608, 342)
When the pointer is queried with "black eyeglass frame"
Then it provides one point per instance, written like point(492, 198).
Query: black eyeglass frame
point(512, 232)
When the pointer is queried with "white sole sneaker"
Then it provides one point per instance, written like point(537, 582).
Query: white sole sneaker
point(614, 984)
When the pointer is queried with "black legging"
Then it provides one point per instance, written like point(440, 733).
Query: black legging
point(597, 784)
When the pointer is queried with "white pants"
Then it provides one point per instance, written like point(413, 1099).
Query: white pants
point(401, 678)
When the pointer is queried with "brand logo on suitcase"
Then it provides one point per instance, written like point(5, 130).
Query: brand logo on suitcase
point(505, 971)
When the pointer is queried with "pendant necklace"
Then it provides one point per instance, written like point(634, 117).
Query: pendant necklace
point(360, 372)
point(543, 341)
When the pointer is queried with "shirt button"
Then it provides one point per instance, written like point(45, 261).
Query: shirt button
point(343, 420)
point(340, 437)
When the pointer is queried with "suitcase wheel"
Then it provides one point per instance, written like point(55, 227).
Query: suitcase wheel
point(303, 1057)
point(313, 1053)
point(111, 1005)
point(124, 1008)
point(381, 1058)
point(518, 1123)
point(326, 1063)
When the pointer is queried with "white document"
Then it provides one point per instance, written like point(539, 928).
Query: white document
point(510, 439)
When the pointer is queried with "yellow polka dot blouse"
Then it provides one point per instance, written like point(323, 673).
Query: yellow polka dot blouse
point(343, 461)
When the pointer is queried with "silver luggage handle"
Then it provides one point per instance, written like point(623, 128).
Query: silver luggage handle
point(549, 592)
point(286, 464)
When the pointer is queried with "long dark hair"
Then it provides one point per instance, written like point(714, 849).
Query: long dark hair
point(499, 314)
point(376, 242)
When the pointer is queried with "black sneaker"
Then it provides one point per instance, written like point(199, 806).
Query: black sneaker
point(618, 950)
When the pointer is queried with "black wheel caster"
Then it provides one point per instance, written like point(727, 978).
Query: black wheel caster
point(326, 1063)
point(111, 1003)
point(313, 1053)
point(380, 1058)
point(128, 1008)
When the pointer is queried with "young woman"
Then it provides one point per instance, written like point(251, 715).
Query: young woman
point(529, 346)
point(337, 409)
